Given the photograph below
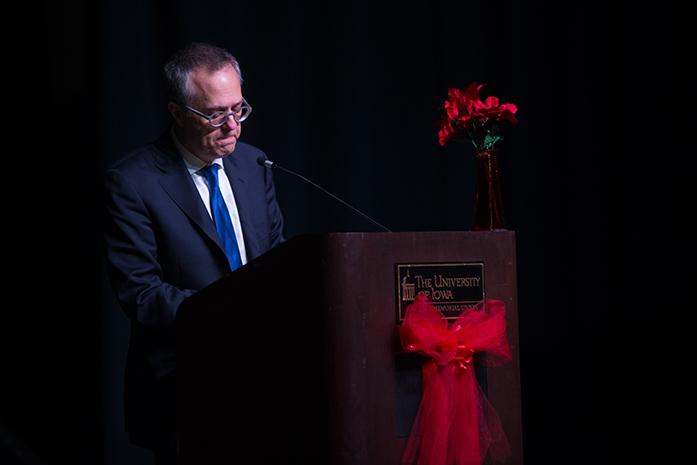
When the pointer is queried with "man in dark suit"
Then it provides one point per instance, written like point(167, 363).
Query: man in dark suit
point(182, 213)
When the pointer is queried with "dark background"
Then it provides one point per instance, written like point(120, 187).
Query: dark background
point(596, 185)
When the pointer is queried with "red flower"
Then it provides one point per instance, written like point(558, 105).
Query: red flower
point(466, 116)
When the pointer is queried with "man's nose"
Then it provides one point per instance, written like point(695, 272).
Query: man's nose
point(231, 122)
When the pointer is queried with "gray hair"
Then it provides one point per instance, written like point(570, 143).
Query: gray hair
point(190, 58)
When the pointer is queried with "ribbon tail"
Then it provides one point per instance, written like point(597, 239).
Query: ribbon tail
point(492, 437)
point(463, 443)
point(428, 440)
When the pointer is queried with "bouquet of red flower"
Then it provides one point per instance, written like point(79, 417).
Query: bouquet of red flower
point(468, 118)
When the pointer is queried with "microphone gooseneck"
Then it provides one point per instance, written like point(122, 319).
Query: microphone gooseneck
point(270, 164)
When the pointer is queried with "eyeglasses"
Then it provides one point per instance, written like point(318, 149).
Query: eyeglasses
point(219, 118)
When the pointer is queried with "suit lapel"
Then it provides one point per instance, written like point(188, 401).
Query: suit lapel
point(177, 182)
point(237, 181)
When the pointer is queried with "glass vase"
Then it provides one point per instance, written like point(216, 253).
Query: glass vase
point(488, 206)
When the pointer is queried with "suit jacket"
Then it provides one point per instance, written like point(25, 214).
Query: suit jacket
point(161, 247)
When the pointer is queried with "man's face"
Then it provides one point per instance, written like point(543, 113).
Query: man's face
point(213, 92)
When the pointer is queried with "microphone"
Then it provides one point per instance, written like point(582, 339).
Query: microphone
point(269, 164)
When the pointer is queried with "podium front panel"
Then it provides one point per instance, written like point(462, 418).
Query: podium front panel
point(300, 348)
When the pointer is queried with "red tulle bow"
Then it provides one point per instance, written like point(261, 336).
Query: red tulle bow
point(455, 424)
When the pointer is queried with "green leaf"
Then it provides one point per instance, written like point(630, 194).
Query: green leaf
point(490, 140)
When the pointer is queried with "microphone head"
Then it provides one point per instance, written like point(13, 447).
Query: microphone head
point(264, 162)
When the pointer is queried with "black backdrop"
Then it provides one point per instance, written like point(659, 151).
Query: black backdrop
point(595, 185)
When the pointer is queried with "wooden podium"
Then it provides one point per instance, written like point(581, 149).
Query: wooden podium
point(295, 358)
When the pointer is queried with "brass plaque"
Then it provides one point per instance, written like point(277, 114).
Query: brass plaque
point(451, 287)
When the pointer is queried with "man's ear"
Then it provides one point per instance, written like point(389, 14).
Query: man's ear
point(176, 112)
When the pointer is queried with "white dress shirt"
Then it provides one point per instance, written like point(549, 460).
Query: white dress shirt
point(195, 165)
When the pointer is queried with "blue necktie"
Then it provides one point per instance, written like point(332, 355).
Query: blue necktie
point(221, 216)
